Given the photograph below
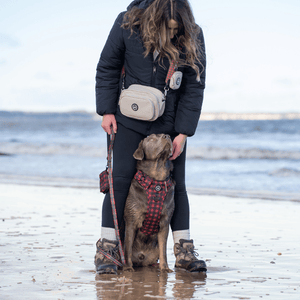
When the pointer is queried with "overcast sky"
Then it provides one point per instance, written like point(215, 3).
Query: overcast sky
point(49, 51)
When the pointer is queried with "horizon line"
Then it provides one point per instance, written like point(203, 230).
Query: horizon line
point(205, 116)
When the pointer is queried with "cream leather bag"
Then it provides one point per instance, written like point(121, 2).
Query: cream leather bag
point(145, 102)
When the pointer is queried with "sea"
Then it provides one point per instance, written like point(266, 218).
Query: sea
point(236, 155)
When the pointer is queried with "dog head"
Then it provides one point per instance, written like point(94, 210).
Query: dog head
point(154, 147)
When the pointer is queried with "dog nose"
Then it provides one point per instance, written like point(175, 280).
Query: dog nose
point(165, 136)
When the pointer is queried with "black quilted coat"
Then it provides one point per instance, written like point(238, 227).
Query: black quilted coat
point(183, 106)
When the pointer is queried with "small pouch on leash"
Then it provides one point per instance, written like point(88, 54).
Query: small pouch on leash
point(104, 175)
point(104, 184)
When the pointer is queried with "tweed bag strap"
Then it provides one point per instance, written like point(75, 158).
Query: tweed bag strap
point(112, 195)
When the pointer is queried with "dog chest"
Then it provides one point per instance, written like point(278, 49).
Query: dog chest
point(156, 194)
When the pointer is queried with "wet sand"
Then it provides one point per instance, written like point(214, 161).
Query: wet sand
point(48, 235)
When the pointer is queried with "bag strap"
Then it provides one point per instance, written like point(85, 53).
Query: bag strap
point(171, 71)
point(112, 196)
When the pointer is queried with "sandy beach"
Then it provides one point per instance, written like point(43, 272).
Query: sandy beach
point(48, 235)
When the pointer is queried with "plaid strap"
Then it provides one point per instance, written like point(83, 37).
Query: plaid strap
point(107, 255)
point(171, 71)
point(156, 193)
point(112, 196)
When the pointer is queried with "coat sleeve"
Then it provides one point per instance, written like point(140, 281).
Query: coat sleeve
point(191, 97)
point(109, 70)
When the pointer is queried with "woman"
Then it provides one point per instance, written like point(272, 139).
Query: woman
point(144, 40)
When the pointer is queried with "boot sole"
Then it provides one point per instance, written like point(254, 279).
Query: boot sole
point(107, 269)
point(197, 266)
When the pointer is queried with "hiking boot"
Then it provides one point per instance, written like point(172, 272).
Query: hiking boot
point(186, 257)
point(103, 264)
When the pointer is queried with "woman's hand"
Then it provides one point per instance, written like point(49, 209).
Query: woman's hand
point(178, 145)
point(108, 121)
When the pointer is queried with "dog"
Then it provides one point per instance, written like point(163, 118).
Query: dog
point(144, 248)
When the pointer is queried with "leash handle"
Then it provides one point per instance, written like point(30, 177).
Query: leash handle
point(112, 196)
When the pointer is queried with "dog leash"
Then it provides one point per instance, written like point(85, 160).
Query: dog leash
point(112, 200)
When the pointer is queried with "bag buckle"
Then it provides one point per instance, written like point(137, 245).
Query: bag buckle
point(166, 89)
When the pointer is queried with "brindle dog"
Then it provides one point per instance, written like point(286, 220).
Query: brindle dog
point(152, 158)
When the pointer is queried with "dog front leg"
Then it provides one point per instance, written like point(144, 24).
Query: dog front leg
point(129, 238)
point(162, 237)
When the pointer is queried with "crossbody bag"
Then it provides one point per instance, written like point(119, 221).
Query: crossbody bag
point(145, 102)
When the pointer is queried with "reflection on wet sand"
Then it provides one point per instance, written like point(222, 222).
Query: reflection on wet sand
point(186, 284)
point(48, 235)
point(149, 282)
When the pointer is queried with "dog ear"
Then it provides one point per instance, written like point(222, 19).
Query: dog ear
point(139, 152)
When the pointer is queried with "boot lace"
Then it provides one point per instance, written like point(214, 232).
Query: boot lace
point(190, 252)
point(114, 252)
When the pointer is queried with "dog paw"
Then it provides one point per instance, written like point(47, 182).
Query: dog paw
point(128, 269)
point(166, 270)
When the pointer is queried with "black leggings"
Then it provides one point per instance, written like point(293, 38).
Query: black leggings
point(124, 168)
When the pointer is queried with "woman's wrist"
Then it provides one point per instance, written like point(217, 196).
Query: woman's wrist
point(182, 136)
point(182, 140)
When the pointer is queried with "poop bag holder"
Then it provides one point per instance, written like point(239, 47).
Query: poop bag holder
point(104, 185)
point(104, 175)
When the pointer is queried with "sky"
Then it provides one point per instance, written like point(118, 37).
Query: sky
point(49, 51)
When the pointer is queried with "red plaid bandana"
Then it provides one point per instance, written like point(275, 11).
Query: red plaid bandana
point(156, 193)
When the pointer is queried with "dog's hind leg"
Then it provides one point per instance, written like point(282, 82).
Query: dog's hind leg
point(162, 237)
point(129, 238)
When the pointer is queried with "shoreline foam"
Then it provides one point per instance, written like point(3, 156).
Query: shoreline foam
point(94, 184)
point(193, 152)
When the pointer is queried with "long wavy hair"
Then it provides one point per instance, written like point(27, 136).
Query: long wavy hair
point(153, 26)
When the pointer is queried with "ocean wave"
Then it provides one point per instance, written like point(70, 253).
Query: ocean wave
point(216, 153)
point(48, 181)
point(205, 153)
point(249, 116)
point(285, 172)
point(52, 149)
point(94, 184)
